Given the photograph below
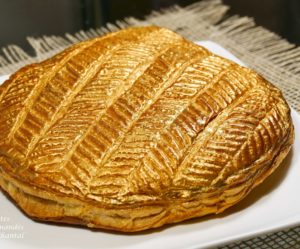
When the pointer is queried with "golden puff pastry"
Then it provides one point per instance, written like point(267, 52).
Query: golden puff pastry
point(137, 129)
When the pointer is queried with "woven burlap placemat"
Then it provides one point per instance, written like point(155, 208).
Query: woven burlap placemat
point(267, 53)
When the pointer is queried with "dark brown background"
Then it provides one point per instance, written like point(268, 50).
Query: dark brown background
point(21, 18)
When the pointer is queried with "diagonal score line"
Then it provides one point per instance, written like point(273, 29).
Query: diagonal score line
point(43, 82)
point(121, 91)
point(204, 139)
point(214, 80)
point(83, 80)
point(200, 137)
point(242, 146)
point(172, 80)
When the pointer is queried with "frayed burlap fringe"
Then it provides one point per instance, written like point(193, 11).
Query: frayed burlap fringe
point(273, 57)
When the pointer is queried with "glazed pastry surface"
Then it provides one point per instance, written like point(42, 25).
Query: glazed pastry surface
point(137, 129)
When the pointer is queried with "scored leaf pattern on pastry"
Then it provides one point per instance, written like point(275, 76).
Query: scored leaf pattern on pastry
point(100, 92)
point(141, 116)
point(240, 138)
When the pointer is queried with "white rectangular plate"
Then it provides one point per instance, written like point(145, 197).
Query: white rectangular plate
point(271, 206)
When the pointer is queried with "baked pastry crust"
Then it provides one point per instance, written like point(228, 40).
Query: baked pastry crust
point(137, 129)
